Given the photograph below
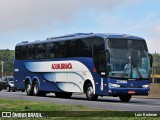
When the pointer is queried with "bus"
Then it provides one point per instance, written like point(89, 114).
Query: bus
point(115, 65)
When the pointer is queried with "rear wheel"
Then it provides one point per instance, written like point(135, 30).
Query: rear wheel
point(125, 98)
point(29, 89)
point(36, 91)
point(8, 88)
point(89, 92)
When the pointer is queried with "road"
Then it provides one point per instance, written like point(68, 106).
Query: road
point(112, 103)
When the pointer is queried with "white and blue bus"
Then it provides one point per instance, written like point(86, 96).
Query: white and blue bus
point(94, 64)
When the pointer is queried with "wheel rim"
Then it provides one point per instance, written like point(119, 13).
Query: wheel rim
point(90, 91)
point(35, 89)
point(28, 88)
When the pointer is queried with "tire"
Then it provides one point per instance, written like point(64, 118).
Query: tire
point(63, 94)
point(125, 98)
point(14, 90)
point(8, 88)
point(89, 93)
point(29, 89)
point(36, 91)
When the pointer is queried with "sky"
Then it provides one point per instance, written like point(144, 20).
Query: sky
point(30, 20)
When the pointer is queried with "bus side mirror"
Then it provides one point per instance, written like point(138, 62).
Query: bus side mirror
point(103, 62)
point(151, 59)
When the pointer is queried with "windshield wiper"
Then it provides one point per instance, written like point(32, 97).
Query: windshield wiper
point(131, 65)
point(139, 73)
point(134, 66)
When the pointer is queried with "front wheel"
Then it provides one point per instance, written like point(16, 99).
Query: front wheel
point(125, 98)
point(89, 93)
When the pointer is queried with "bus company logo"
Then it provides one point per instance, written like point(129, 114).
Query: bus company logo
point(62, 66)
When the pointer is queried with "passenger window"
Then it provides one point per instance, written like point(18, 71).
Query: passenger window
point(40, 51)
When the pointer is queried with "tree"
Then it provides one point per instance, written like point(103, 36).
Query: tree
point(7, 56)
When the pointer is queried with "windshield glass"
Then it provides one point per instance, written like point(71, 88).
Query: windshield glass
point(10, 78)
point(128, 59)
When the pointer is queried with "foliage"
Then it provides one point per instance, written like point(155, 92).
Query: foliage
point(156, 62)
point(7, 56)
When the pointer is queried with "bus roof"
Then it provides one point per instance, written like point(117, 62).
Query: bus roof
point(82, 35)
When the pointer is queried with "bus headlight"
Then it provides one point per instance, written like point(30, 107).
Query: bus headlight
point(114, 85)
point(145, 86)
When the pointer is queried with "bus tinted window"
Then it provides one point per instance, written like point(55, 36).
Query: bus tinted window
point(118, 44)
point(126, 44)
point(139, 44)
point(31, 51)
point(17, 52)
point(23, 53)
point(98, 46)
point(58, 49)
point(85, 47)
point(40, 50)
point(50, 53)
point(72, 48)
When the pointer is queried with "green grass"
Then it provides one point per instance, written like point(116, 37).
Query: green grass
point(60, 111)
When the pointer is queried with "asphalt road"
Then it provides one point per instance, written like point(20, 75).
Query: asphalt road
point(112, 103)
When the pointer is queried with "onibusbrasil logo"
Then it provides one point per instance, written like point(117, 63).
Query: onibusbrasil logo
point(21, 115)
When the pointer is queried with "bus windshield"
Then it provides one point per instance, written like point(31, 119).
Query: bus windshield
point(128, 59)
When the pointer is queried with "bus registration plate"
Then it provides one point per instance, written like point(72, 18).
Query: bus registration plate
point(131, 92)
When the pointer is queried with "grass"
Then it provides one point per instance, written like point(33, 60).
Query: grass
point(66, 112)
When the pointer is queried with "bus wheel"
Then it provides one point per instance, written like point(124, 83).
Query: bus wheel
point(125, 98)
point(89, 93)
point(29, 90)
point(36, 91)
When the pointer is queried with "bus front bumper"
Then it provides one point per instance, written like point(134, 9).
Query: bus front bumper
point(128, 91)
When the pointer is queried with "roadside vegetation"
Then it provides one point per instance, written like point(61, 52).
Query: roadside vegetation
point(156, 62)
point(66, 112)
point(7, 57)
